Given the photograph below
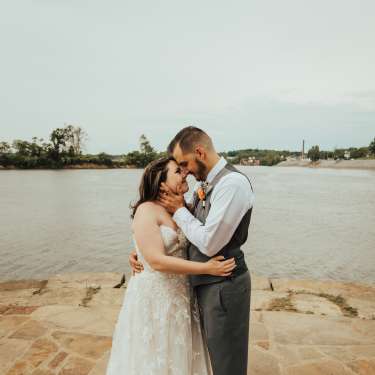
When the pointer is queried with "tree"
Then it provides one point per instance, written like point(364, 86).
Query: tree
point(314, 153)
point(4, 147)
point(145, 145)
point(80, 139)
point(357, 153)
point(58, 138)
point(271, 159)
point(75, 139)
point(325, 155)
point(339, 153)
point(141, 159)
point(23, 148)
point(105, 159)
point(372, 147)
point(36, 148)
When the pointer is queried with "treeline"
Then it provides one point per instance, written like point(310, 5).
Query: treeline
point(316, 154)
point(64, 149)
point(272, 157)
point(266, 157)
point(146, 153)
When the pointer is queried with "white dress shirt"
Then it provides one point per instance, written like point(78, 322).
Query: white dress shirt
point(230, 199)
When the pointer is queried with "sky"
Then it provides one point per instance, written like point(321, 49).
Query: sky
point(252, 74)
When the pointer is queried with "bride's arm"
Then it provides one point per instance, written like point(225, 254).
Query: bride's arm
point(149, 240)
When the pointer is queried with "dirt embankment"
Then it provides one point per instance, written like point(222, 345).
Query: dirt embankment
point(336, 164)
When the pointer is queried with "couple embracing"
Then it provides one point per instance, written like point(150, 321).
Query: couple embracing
point(186, 308)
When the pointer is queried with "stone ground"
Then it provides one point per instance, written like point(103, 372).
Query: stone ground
point(64, 326)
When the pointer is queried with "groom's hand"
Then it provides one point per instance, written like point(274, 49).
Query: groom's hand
point(170, 200)
point(136, 266)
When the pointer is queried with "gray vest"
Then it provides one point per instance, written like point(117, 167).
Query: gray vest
point(232, 248)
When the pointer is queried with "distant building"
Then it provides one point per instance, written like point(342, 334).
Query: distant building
point(347, 155)
point(250, 161)
point(230, 158)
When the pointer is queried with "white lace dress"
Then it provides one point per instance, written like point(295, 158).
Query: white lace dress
point(158, 329)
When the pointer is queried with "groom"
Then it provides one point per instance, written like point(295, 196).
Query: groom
point(216, 222)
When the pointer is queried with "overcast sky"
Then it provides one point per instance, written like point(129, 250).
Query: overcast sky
point(263, 74)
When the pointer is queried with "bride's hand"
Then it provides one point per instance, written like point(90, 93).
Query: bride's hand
point(217, 266)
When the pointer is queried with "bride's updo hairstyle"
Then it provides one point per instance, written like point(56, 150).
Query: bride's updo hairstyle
point(154, 174)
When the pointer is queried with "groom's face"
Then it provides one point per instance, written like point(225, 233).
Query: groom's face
point(190, 163)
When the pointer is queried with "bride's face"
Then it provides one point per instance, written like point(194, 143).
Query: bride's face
point(176, 180)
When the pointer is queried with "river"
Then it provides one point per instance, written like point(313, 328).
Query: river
point(306, 223)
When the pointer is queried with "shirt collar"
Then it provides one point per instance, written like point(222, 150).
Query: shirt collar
point(216, 169)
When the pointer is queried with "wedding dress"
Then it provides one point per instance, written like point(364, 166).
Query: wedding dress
point(158, 329)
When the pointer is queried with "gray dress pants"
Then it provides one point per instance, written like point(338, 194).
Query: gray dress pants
point(225, 312)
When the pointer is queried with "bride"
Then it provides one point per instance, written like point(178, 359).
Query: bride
point(158, 329)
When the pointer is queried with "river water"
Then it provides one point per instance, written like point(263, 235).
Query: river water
point(306, 223)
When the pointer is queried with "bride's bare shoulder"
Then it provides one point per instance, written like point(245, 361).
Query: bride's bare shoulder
point(148, 207)
point(148, 210)
point(148, 215)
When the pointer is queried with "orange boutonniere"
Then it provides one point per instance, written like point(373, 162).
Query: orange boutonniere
point(202, 192)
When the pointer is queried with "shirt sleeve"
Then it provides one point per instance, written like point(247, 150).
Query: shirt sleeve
point(230, 200)
point(189, 200)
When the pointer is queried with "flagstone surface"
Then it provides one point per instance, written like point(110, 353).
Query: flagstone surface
point(64, 325)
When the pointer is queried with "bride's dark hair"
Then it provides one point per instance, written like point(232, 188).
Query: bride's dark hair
point(154, 174)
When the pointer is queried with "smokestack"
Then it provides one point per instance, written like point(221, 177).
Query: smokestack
point(303, 149)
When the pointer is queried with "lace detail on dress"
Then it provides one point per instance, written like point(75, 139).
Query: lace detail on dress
point(158, 329)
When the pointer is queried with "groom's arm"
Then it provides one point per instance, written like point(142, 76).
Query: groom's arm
point(137, 266)
point(230, 200)
point(189, 202)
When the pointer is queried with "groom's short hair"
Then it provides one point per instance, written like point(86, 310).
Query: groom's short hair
point(187, 138)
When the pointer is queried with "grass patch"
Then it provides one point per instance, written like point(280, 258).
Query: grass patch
point(282, 304)
point(339, 301)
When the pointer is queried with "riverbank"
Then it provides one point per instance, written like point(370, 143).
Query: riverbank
point(335, 164)
point(368, 164)
point(77, 166)
point(64, 325)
